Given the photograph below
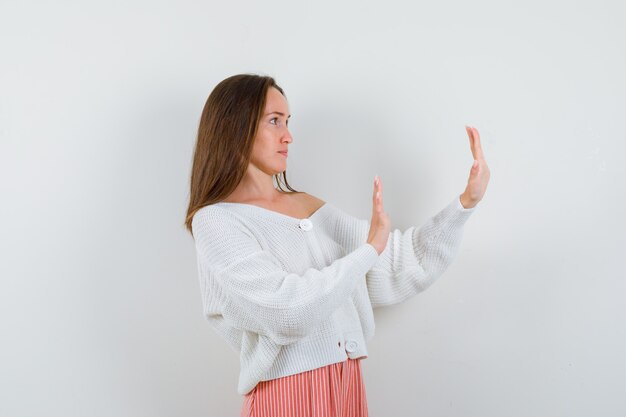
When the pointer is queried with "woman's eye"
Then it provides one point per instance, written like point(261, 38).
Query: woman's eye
point(275, 118)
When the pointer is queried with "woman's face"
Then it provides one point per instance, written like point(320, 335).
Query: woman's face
point(269, 153)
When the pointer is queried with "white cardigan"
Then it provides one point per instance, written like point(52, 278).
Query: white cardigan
point(291, 295)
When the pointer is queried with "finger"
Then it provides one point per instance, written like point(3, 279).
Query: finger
point(380, 195)
point(477, 145)
point(374, 190)
point(375, 194)
point(472, 140)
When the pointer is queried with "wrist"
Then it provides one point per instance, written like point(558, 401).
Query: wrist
point(467, 202)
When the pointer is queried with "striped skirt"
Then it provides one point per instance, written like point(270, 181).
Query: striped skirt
point(335, 390)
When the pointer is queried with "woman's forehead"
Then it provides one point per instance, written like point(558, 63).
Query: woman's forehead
point(276, 103)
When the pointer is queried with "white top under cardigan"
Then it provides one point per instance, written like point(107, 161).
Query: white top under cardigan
point(291, 295)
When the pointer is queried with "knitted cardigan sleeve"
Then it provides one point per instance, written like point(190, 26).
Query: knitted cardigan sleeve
point(414, 258)
point(254, 293)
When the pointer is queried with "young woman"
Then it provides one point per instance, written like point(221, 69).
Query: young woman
point(289, 280)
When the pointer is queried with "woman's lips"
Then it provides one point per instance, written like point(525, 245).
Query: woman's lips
point(283, 153)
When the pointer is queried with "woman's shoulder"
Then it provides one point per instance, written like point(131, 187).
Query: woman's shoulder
point(310, 200)
point(305, 204)
point(211, 213)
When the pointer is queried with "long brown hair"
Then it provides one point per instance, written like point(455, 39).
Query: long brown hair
point(228, 126)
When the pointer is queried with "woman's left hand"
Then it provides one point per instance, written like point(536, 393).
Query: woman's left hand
point(479, 174)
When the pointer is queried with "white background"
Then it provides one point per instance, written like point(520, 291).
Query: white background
point(100, 308)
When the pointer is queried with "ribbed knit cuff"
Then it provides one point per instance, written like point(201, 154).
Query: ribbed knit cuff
point(454, 215)
point(369, 255)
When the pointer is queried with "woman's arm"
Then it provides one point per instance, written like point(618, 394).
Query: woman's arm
point(415, 258)
point(254, 293)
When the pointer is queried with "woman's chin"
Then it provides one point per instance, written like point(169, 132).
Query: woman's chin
point(278, 171)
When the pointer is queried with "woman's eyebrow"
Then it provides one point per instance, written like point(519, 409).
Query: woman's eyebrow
point(277, 112)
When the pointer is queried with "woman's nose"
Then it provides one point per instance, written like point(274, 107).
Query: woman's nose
point(287, 137)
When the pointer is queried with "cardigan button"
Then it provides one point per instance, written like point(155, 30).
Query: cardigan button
point(306, 225)
point(351, 345)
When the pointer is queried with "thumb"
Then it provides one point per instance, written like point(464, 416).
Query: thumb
point(474, 170)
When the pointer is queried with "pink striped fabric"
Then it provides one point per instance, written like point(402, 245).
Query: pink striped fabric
point(335, 390)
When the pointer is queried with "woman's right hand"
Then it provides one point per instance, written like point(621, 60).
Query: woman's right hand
point(380, 225)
